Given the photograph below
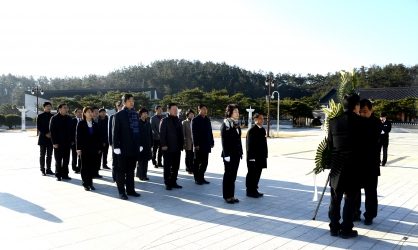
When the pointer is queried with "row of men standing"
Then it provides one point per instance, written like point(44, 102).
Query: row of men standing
point(58, 133)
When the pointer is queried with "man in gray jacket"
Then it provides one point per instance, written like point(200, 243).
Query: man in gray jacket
point(155, 125)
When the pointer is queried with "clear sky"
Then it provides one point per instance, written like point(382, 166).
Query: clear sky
point(58, 38)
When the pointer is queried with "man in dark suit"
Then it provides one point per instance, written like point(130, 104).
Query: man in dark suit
point(76, 160)
point(110, 136)
point(98, 161)
point(155, 125)
point(371, 157)
point(103, 127)
point(203, 143)
point(60, 128)
point(126, 145)
point(346, 137)
point(384, 137)
point(44, 139)
point(257, 154)
point(172, 143)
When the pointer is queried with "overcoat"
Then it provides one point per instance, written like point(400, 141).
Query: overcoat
point(202, 133)
point(256, 144)
point(187, 133)
point(231, 141)
point(60, 129)
point(168, 134)
point(86, 142)
point(123, 137)
point(146, 141)
point(42, 124)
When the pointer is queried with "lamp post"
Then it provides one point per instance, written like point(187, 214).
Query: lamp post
point(278, 105)
point(37, 90)
point(269, 83)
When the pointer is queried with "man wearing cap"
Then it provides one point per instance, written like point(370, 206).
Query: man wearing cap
point(384, 137)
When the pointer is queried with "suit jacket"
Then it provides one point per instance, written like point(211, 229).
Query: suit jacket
point(231, 142)
point(256, 141)
point(187, 132)
point(202, 133)
point(372, 159)
point(110, 128)
point(104, 127)
point(347, 136)
point(74, 123)
point(387, 127)
point(42, 124)
point(155, 125)
point(86, 142)
point(123, 137)
point(168, 134)
point(60, 128)
point(146, 141)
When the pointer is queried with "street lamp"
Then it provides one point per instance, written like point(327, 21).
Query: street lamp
point(37, 90)
point(278, 113)
point(269, 83)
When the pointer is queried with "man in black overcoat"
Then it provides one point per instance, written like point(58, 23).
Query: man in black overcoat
point(44, 139)
point(384, 137)
point(371, 158)
point(172, 143)
point(126, 145)
point(104, 127)
point(257, 154)
point(76, 159)
point(346, 137)
point(203, 142)
point(118, 108)
point(60, 129)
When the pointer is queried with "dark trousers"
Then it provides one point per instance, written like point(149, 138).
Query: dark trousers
point(155, 157)
point(370, 203)
point(189, 159)
point(253, 177)
point(385, 153)
point(114, 165)
point(62, 158)
point(75, 159)
point(97, 163)
point(171, 167)
point(87, 166)
point(45, 151)
point(350, 196)
point(141, 169)
point(230, 175)
point(200, 165)
point(125, 172)
point(103, 155)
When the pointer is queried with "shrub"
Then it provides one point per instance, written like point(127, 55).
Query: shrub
point(12, 120)
point(2, 120)
point(316, 122)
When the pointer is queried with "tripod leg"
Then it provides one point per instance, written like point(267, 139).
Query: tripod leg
point(320, 200)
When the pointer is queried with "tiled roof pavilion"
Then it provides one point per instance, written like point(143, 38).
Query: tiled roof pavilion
point(376, 94)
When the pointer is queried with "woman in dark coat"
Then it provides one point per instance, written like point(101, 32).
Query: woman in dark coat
point(146, 141)
point(88, 146)
point(231, 151)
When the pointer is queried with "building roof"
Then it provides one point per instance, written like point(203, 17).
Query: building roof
point(395, 93)
point(48, 94)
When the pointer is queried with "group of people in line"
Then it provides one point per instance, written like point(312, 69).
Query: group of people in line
point(356, 139)
point(135, 141)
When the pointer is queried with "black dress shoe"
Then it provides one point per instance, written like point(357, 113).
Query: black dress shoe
point(87, 188)
point(253, 195)
point(97, 177)
point(160, 165)
point(205, 181)
point(176, 186)
point(106, 167)
point(334, 233)
point(236, 200)
point(66, 178)
point(198, 182)
point(76, 172)
point(58, 178)
point(168, 188)
point(48, 171)
point(155, 166)
point(368, 222)
point(134, 194)
point(260, 194)
point(140, 178)
point(146, 179)
point(43, 174)
point(347, 235)
point(231, 201)
point(92, 188)
point(123, 196)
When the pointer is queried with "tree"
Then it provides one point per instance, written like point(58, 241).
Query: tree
point(2, 120)
point(7, 108)
point(12, 120)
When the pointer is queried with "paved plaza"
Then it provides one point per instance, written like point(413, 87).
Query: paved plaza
point(38, 212)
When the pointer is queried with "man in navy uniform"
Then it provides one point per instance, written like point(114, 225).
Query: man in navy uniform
point(384, 137)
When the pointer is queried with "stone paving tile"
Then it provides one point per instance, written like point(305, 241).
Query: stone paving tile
point(49, 213)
